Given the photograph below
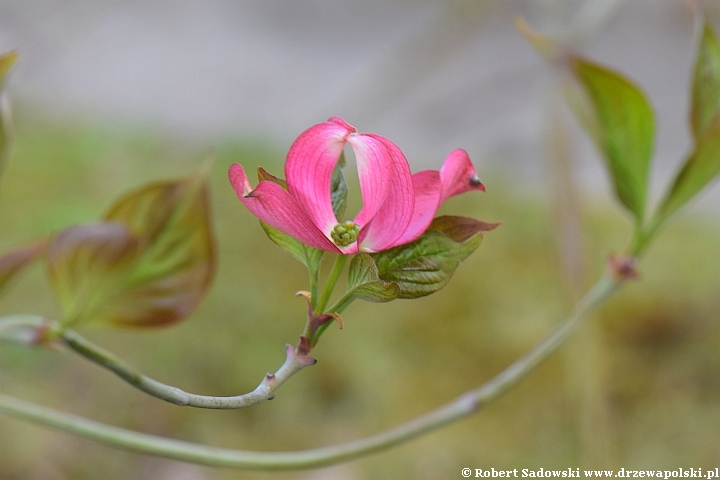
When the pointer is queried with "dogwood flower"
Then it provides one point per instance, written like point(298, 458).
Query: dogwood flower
point(397, 205)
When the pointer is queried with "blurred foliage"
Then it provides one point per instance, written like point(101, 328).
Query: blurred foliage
point(149, 262)
point(390, 363)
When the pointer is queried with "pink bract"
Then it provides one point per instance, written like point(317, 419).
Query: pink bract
point(397, 205)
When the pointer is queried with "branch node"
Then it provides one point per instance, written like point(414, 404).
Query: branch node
point(622, 268)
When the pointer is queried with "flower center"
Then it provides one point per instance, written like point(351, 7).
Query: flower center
point(343, 234)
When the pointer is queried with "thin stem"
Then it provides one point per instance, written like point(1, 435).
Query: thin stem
point(463, 406)
point(337, 269)
point(342, 303)
point(644, 236)
point(264, 391)
point(313, 288)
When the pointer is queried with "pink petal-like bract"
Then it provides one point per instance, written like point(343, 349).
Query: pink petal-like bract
point(432, 188)
point(386, 191)
point(275, 206)
point(309, 168)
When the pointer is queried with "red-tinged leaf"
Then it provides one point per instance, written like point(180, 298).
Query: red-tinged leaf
point(12, 263)
point(88, 266)
point(460, 228)
point(153, 261)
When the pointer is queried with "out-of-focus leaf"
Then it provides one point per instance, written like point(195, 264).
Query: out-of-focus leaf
point(620, 120)
point(706, 84)
point(699, 170)
point(365, 284)
point(703, 164)
point(546, 46)
point(150, 262)
point(425, 265)
point(309, 256)
point(339, 189)
point(6, 63)
point(88, 267)
point(12, 263)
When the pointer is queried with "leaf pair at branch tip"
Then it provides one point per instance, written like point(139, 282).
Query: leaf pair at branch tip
point(150, 261)
point(619, 118)
point(615, 113)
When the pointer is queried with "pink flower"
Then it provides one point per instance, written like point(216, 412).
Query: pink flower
point(397, 206)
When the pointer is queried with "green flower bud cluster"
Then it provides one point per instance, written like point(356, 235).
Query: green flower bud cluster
point(344, 234)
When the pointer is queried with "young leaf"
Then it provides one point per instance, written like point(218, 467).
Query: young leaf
point(365, 284)
point(339, 189)
point(6, 63)
point(706, 84)
point(425, 265)
point(619, 118)
point(307, 255)
point(12, 263)
point(88, 266)
point(699, 170)
point(150, 262)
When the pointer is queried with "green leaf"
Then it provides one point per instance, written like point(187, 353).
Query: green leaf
point(339, 189)
point(150, 262)
point(365, 284)
point(706, 84)
point(7, 61)
point(620, 120)
point(309, 256)
point(12, 263)
point(703, 164)
point(425, 265)
point(699, 170)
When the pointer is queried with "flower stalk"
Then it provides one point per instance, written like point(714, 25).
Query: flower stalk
point(333, 277)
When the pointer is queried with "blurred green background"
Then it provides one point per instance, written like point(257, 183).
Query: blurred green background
point(639, 387)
